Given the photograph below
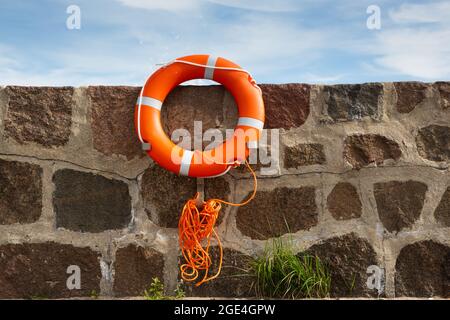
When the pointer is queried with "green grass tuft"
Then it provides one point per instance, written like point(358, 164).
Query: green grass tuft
point(156, 291)
point(280, 273)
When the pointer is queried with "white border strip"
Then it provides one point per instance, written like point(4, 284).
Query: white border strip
point(149, 102)
point(251, 122)
point(186, 162)
point(209, 68)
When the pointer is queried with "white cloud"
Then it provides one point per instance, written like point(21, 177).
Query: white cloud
point(261, 5)
point(263, 45)
point(321, 79)
point(422, 13)
point(7, 59)
point(183, 5)
point(84, 65)
point(275, 47)
point(168, 5)
point(414, 43)
point(270, 42)
point(424, 54)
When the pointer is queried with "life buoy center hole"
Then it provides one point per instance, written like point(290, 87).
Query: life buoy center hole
point(197, 117)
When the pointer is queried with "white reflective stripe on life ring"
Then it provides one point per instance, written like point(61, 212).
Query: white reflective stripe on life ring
point(186, 162)
point(149, 102)
point(209, 69)
point(251, 122)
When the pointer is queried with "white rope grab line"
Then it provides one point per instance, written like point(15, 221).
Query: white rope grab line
point(213, 67)
point(139, 111)
point(253, 82)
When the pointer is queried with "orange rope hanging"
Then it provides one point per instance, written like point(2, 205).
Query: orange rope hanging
point(195, 230)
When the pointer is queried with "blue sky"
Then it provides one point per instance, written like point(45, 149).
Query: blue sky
point(279, 41)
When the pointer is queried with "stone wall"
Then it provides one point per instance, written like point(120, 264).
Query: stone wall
point(362, 179)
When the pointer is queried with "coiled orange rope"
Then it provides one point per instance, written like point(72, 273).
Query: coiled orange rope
point(195, 230)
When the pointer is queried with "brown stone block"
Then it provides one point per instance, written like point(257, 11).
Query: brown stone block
point(40, 115)
point(409, 95)
point(343, 202)
point(399, 203)
point(433, 143)
point(134, 269)
point(286, 105)
point(235, 279)
point(186, 104)
point(362, 150)
point(164, 194)
point(20, 192)
point(444, 93)
point(303, 155)
point(347, 102)
point(112, 113)
point(90, 203)
point(282, 210)
point(347, 258)
point(40, 270)
point(442, 212)
point(423, 270)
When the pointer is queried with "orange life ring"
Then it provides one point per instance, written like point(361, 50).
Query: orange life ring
point(196, 163)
